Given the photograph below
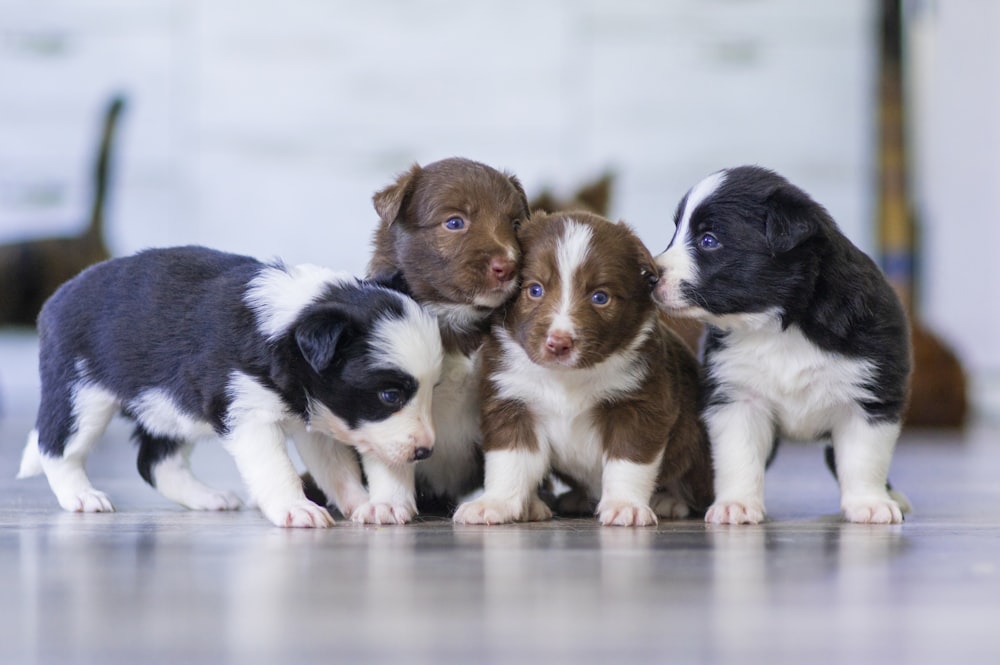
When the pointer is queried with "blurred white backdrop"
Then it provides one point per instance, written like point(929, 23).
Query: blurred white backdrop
point(264, 127)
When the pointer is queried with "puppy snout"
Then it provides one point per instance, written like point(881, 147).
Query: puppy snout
point(559, 343)
point(502, 269)
point(421, 453)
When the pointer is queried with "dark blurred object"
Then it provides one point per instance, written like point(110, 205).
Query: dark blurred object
point(31, 270)
point(938, 385)
point(593, 197)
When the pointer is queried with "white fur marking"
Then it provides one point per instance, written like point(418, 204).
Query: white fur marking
point(573, 250)
point(678, 262)
point(278, 295)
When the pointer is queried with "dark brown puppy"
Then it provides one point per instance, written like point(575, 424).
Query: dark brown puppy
point(31, 270)
point(447, 237)
point(582, 377)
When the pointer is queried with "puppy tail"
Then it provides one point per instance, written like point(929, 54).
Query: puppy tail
point(31, 460)
point(904, 503)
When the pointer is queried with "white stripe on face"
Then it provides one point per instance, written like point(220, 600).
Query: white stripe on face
point(574, 248)
point(678, 262)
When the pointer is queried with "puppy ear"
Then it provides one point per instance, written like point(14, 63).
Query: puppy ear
point(318, 335)
point(520, 192)
point(792, 218)
point(649, 272)
point(389, 200)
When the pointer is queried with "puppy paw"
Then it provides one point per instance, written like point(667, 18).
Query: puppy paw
point(575, 502)
point(489, 511)
point(87, 501)
point(735, 512)
point(624, 513)
point(872, 510)
point(383, 513)
point(302, 514)
point(215, 501)
point(537, 511)
point(669, 506)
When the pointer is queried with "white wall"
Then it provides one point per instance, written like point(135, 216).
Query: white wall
point(955, 47)
point(265, 127)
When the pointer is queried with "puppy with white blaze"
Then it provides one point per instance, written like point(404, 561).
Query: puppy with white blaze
point(192, 343)
point(805, 340)
point(582, 377)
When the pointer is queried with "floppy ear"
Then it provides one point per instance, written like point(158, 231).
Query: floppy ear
point(389, 200)
point(792, 218)
point(649, 272)
point(318, 335)
point(520, 192)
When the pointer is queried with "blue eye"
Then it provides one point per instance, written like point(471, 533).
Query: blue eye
point(600, 298)
point(390, 397)
point(455, 224)
point(535, 291)
point(709, 241)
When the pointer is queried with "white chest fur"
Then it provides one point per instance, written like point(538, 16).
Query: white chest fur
point(455, 412)
point(561, 402)
point(807, 390)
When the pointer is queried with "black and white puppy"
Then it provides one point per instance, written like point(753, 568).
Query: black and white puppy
point(193, 343)
point(805, 339)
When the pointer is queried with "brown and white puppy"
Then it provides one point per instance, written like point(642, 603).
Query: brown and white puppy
point(582, 377)
point(447, 237)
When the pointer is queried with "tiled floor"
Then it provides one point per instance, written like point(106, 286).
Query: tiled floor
point(154, 583)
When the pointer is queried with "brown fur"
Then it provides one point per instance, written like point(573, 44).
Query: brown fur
point(594, 196)
point(471, 267)
point(31, 270)
point(662, 413)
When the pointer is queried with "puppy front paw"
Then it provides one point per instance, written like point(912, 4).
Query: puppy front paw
point(383, 513)
point(735, 512)
point(89, 500)
point(487, 511)
point(872, 510)
point(215, 501)
point(669, 506)
point(625, 513)
point(302, 514)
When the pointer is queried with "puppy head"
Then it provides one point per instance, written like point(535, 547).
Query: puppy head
point(450, 228)
point(742, 246)
point(585, 291)
point(369, 365)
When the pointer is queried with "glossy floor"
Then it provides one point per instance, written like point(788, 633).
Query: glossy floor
point(154, 583)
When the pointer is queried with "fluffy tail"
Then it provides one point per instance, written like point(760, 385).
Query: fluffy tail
point(31, 460)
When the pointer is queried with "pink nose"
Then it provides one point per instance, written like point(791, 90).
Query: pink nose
point(502, 269)
point(559, 343)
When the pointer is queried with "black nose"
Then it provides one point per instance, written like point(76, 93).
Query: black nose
point(421, 453)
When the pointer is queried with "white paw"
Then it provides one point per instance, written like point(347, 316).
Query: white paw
point(215, 501)
point(303, 513)
point(873, 510)
point(383, 513)
point(488, 511)
point(625, 513)
point(88, 501)
point(735, 512)
point(668, 506)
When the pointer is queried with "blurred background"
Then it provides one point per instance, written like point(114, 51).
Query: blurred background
point(264, 127)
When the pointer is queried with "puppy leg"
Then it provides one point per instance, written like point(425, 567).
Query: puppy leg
point(864, 451)
point(391, 491)
point(626, 490)
point(262, 459)
point(510, 494)
point(92, 410)
point(334, 468)
point(166, 465)
point(742, 436)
